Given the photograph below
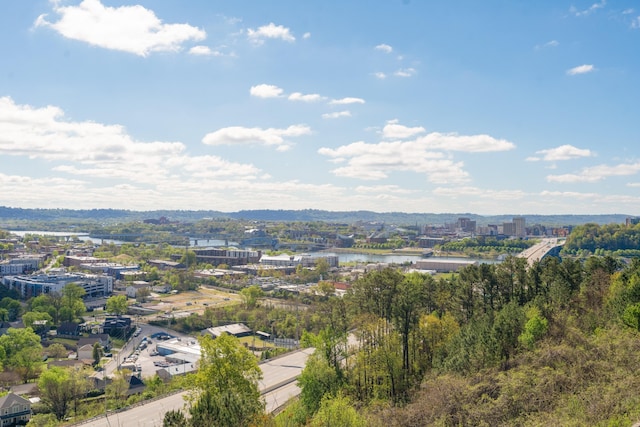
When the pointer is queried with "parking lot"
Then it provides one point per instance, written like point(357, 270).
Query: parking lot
point(145, 359)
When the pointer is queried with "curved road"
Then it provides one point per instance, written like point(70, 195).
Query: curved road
point(277, 387)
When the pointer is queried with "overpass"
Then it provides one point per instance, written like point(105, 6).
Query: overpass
point(547, 247)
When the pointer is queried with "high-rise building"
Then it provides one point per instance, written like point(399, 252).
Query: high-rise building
point(520, 226)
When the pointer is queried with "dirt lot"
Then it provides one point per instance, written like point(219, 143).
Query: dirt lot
point(185, 303)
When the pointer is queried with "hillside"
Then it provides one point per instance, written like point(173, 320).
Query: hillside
point(14, 217)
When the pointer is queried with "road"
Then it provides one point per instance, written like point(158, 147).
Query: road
point(277, 387)
point(537, 252)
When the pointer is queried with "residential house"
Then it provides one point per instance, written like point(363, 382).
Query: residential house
point(85, 353)
point(103, 339)
point(136, 385)
point(14, 410)
point(68, 330)
point(134, 287)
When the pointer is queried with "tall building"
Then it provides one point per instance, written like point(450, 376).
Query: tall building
point(520, 226)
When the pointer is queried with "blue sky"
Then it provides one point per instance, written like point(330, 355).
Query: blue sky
point(493, 107)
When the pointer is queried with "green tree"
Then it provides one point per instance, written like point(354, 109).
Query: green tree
point(316, 380)
point(226, 384)
point(117, 304)
point(55, 391)
point(117, 390)
point(250, 296)
point(535, 328)
point(337, 411)
point(97, 353)
point(57, 351)
point(174, 419)
point(631, 316)
point(13, 307)
point(35, 319)
point(22, 351)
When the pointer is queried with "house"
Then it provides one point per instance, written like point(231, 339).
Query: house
point(117, 326)
point(103, 339)
point(136, 385)
point(68, 329)
point(14, 410)
point(134, 287)
point(85, 352)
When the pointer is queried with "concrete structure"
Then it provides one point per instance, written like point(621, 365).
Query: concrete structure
point(76, 261)
point(14, 410)
point(178, 345)
point(172, 371)
point(21, 265)
point(229, 257)
point(547, 247)
point(235, 329)
point(304, 260)
point(31, 286)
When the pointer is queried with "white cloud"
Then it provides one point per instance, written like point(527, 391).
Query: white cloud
point(636, 23)
point(384, 48)
point(423, 155)
point(238, 135)
point(271, 31)
point(306, 36)
point(312, 97)
point(382, 189)
point(597, 173)
point(265, 91)
point(594, 7)
point(581, 69)
point(563, 152)
point(552, 43)
point(346, 101)
point(337, 114)
point(380, 75)
point(393, 130)
point(95, 150)
point(405, 72)
point(466, 143)
point(468, 191)
point(132, 29)
point(203, 51)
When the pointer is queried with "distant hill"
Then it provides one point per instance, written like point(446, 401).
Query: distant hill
point(14, 216)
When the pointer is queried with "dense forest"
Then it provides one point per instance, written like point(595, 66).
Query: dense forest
point(552, 344)
point(609, 239)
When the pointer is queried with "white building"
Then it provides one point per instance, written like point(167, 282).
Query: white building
point(284, 260)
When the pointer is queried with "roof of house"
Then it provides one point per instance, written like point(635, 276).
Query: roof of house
point(67, 328)
point(233, 329)
point(11, 399)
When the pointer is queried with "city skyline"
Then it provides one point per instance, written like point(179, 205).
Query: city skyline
point(401, 106)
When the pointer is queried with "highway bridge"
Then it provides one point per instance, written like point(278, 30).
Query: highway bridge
point(547, 247)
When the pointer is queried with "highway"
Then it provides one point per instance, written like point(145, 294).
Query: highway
point(537, 252)
point(277, 387)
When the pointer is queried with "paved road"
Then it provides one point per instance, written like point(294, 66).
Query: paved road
point(278, 385)
point(537, 252)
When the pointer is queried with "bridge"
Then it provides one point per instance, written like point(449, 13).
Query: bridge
point(547, 247)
